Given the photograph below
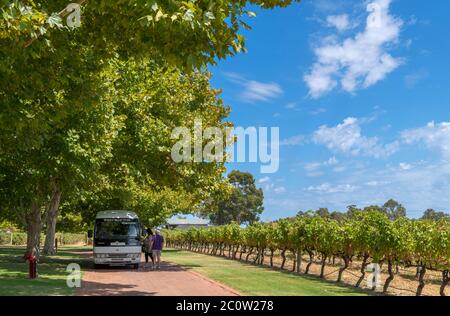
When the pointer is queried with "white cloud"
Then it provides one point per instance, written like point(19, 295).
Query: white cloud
point(317, 111)
point(360, 61)
point(340, 169)
point(271, 187)
point(280, 189)
point(434, 136)
point(313, 166)
point(405, 166)
point(255, 91)
point(347, 138)
point(328, 188)
point(291, 106)
point(293, 141)
point(412, 79)
point(331, 162)
point(260, 91)
point(340, 22)
point(263, 180)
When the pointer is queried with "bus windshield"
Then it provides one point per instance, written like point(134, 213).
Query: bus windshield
point(107, 229)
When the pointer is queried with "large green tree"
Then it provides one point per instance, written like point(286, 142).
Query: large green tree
point(141, 173)
point(394, 210)
point(191, 33)
point(431, 214)
point(243, 205)
point(54, 145)
point(46, 68)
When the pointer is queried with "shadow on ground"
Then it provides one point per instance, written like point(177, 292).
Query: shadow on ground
point(111, 289)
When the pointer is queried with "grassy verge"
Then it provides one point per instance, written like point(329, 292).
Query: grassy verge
point(255, 280)
point(52, 272)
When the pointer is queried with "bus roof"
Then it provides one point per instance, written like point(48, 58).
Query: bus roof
point(116, 214)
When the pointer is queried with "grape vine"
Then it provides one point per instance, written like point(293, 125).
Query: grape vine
point(369, 237)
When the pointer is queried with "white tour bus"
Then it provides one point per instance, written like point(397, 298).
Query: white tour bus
point(117, 239)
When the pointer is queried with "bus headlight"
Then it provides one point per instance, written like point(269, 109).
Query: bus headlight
point(100, 255)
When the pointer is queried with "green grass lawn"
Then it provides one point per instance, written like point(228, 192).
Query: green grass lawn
point(52, 272)
point(255, 280)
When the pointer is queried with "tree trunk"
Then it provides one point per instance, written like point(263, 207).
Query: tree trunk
point(322, 268)
point(294, 263)
point(283, 256)
point(342, 269)
point(271, 257)
point(258, 253)
point(243, 249)
point(311, 260)
point(363, 270)
point(299, 261)
point(34, 226)
point(52, 215)
point(248, 254)
point(445, 281)
point(390, 278)
point(423, 270)
point(235, 251)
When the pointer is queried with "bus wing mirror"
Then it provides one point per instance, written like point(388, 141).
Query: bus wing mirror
point(90, 233)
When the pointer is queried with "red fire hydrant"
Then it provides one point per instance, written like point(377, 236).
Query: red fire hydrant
point(32, 265)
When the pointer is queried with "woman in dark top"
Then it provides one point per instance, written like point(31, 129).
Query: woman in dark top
point(148, 243)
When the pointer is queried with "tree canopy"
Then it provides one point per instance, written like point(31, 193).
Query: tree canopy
point(243, 205)
point(78, 121)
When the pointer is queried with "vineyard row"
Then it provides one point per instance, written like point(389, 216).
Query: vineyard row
point(367, 236)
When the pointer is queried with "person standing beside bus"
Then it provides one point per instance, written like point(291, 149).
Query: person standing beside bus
point(157, 247)
point(148, 243)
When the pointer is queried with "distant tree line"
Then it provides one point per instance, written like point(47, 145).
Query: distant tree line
point(392, 209)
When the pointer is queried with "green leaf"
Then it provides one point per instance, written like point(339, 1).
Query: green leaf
point(54, 20)
point(188, 15)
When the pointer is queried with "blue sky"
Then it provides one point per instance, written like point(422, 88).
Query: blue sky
point(360, 91)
